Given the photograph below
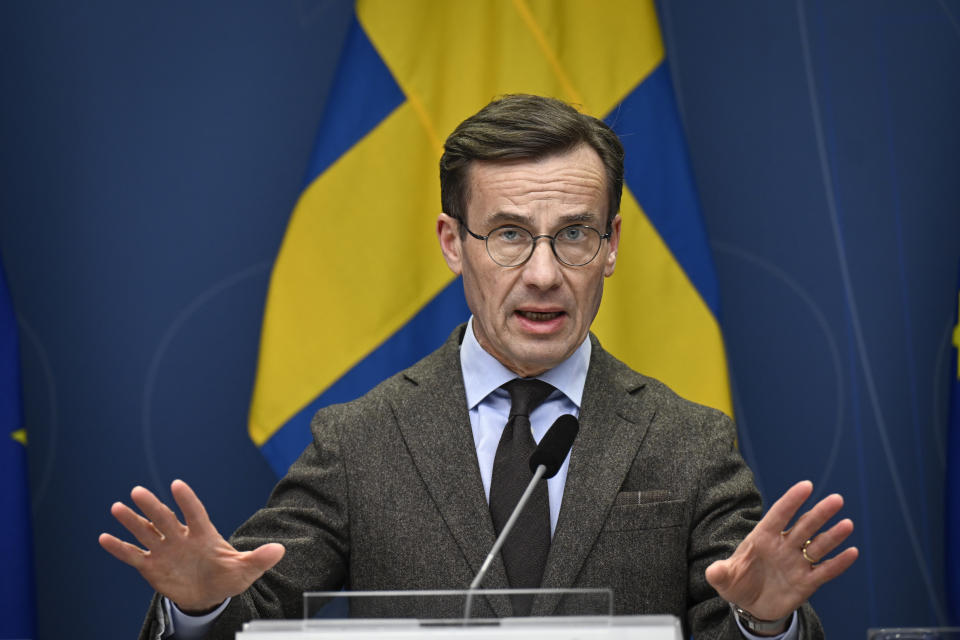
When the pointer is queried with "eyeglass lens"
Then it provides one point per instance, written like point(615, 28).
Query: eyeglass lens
point(575, 245)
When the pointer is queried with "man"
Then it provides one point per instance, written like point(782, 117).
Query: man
point(404, 488)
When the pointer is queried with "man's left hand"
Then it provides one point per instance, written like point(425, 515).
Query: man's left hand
point(775, 570)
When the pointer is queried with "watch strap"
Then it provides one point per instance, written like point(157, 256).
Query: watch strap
point(754, 624)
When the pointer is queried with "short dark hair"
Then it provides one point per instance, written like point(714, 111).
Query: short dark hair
point(524, 127)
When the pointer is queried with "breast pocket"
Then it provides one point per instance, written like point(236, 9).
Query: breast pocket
point(624, 516)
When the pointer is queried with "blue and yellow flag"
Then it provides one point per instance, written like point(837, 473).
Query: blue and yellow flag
point(359, 289)
point(953, 475)
point(16, 547)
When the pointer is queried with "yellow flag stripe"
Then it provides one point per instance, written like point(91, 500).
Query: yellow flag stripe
point(353, 268)
point(548, 53)
point(606, 50)
point(654, 319)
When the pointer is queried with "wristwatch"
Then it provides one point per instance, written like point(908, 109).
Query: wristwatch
point(757, 625)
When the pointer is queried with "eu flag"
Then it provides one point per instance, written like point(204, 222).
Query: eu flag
point(16, 548)
point(359, 289)
point(953, 474)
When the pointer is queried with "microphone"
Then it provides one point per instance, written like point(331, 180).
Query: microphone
point(545, 462)
point(555, 445)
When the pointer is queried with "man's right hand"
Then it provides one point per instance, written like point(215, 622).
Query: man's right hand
point(189, 563)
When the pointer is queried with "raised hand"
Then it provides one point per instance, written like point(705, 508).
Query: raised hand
point(189, 563)
point(774, 571)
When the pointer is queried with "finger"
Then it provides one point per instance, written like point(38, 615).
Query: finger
point(824, 543)
point(194, 513)
point(786, 507)
point(264, 557)
point(122, 551)
point(141, 528)
point(811, 521)
point(160, 514)
point(830, 569)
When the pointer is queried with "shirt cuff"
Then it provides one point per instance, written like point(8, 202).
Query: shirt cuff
point(792, 632)
point(187, 627)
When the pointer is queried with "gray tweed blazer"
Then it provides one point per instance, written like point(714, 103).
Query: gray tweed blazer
point(388, 496)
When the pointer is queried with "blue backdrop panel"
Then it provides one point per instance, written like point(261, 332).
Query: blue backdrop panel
point(152, 153)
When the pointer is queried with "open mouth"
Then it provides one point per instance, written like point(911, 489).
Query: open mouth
point(540, 316)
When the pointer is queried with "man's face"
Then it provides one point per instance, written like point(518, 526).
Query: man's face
point(533, 316)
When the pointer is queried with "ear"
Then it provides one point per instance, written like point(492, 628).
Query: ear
point(448, 233)
point(614, 245)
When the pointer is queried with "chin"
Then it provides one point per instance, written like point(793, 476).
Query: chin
point(539, 362)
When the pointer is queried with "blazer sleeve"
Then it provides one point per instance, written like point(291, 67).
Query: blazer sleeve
point(157, 623)
point(726, 507)
point(307, 513)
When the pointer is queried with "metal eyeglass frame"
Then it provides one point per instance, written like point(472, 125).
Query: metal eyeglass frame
point(533, 243)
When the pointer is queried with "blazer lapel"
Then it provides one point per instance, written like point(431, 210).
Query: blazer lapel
point(435, 425)
point(612, 426)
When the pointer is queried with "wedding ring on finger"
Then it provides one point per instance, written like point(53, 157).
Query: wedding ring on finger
point(158, 532)
point(806, 557)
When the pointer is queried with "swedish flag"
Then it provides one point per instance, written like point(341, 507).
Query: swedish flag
point(16, 548)
point(359, 289)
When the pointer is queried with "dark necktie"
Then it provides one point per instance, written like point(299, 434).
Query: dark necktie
point(525, 550)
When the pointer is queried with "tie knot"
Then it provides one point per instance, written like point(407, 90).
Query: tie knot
point(526, 395)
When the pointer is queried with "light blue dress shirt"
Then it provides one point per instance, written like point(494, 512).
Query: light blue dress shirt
point(489, 405)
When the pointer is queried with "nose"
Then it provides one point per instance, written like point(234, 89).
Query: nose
point(542, 270)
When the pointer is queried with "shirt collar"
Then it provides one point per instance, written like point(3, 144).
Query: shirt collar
point(484, 374)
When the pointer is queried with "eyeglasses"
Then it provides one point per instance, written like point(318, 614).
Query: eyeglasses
point(511, 246)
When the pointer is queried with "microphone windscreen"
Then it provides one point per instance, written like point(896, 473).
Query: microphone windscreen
point(555, 445)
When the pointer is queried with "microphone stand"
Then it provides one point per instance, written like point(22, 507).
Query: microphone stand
point(538, 474)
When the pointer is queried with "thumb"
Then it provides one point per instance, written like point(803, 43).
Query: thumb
point(718, 575)
point(266, 556)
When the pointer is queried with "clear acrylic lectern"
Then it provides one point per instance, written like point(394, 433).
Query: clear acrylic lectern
point(481, 614)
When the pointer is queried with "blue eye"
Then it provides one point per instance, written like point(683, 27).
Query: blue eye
point(511, 235)
point(572, 234)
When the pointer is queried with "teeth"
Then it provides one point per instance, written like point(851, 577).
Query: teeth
point(539, 315)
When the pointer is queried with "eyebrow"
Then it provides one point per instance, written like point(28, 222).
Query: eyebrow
point(503, 217)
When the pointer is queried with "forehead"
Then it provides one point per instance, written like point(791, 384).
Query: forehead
point(573, 182)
